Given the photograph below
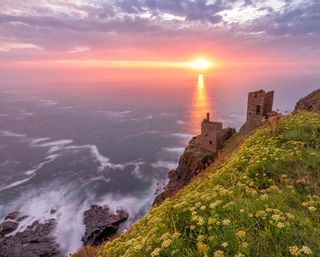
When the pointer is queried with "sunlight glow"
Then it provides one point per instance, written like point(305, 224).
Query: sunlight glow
point(201, 64)
point(201, 104)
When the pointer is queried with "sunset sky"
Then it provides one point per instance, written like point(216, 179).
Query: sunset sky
point(156, 33)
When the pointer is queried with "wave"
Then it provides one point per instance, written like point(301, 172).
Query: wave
point(17, 183)
point(7, 133)
point(153, 132)
point(169, 165)
point(181, 122)
point(31, 173)
point(48, 102)
point(148, 117)
point(174, 150)
point(115, 114)
point(183, 136)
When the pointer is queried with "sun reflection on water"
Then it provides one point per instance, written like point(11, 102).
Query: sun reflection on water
point(200, 105)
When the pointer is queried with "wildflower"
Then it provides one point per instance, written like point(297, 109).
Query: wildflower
point(176, 235)
point(203, 248)
point(241, 210)
point(155, 252)
point(218, 253)
point(312, 208)
point(264, 197)
point(294, 250)
point(192, 227)
point(276, 217)
point(200, 221)
point(203, 208)
point(212, 221)
point(215, 204)
point(166, 243)
point(290, 216)
point(261, 214)
point(224, 244)
point(239, 255)
point(280, 225)
point(244, 245)
point(226, 222)
point(241, 233)
point(306, 250)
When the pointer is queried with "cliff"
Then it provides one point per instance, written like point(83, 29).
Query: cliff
point(310, 102)
point(193, 161)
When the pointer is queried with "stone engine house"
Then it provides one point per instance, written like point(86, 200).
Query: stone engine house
point(211, 135)
point(259, 106)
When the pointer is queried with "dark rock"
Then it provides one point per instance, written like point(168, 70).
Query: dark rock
point(35, 241)
point(53, 211)
point(227, 133)
point(12, 215)
point(7, 227)
point(16, 216)
point(22, 218)
point(310, 102)
point(101, 224)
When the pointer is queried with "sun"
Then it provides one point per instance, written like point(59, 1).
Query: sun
point(201, 64)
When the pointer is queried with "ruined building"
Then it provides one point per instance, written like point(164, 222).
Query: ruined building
point(259, 106)
point(211, 135)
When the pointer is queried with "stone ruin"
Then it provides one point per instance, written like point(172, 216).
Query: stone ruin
point(211, 135)
point(259, 109)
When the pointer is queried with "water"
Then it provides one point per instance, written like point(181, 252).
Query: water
point(64, 146)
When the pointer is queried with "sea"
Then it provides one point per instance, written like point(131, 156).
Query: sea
point(65, 146)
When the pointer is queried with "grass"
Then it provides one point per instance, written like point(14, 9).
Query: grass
point(263, 200)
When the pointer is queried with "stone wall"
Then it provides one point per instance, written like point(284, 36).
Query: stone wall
point(211, 135)
point(259, 105)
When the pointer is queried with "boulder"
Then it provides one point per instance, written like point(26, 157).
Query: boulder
point(35, 241)
point(7, 227)
point(101, 224)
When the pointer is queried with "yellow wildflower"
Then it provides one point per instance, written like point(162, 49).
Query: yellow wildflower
point(155, 252)
point(218, 253)
point(241, 233)
point(226, 222)
point(294, 250)
point(306, 250)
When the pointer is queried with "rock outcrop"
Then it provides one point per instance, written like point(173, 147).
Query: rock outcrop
point(310, 102)
point(101, 224)
point(35, 241)
point(194, 160)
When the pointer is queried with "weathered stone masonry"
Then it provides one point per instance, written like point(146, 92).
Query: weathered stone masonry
point(259, 106)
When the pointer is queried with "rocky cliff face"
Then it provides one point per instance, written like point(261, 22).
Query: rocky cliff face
point(192, 162)
point(310, 102)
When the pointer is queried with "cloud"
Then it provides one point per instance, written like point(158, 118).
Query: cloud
point(11, 46)
point(76, 26)
point(79, 49)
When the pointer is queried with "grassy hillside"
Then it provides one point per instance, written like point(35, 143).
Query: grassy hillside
point(262, 201)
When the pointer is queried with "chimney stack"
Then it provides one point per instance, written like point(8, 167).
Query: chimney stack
point(208, 116)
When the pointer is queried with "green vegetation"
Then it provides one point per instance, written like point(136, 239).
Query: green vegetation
point(261, 201)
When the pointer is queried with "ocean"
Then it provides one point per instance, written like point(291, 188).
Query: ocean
point(65, 146)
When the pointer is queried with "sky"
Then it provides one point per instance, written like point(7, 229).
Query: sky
point(128, 33)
